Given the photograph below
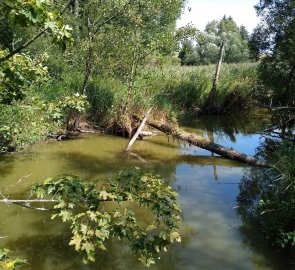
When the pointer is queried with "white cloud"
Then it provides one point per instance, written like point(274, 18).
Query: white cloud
point(203, 11)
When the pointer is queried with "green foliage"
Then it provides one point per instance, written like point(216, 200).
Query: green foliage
point(81, 204)
point(21, 125)
point(6, 38)
point(187, 89)
point(208, 42)
point(30, 121)
point(274, 40)
point(66, 107)
point(5, 138)
point(269, 197)
point(8, 264)
point(17, 74)
point(173, 90)
point(40, 14)
point(17, 70)
point(277, 202)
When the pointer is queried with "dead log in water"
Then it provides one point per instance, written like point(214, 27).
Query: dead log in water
point(204, 143)
point(139, 130)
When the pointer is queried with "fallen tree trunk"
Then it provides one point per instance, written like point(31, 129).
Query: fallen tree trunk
point(132, 141)
point(203, 143)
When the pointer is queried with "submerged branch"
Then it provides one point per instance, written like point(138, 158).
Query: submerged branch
point(27, 203)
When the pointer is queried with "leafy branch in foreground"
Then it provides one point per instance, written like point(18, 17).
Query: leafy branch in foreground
point(6, 263)
point(80, 203)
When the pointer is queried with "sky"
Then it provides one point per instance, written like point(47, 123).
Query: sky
point(203, 11)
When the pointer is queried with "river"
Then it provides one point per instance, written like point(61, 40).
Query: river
point(214, 235)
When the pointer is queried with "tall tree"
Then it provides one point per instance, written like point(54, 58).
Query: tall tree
point(216, 32)
point(274, 38)
point(117, 37)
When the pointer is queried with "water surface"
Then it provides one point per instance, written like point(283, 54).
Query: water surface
point(207, 187)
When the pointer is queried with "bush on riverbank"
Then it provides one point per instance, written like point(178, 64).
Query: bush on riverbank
point(32, 120)
point(277, 202)
point(22, 125)
point(268, 197)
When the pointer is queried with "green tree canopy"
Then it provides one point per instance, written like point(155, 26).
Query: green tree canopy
point(274, 41)
point(225, 30)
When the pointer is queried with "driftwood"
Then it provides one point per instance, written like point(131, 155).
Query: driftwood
point(286, 108)
point(85, 131)
point(139, 130)
point(146, 133)
point(58, 137)
point(204, 143)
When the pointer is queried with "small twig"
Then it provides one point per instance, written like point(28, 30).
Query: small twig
point(34, 208)
point(8, 201)
point(27, 203)
point(20, 180)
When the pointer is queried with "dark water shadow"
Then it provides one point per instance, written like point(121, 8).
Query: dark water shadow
point(7, 164)
point(90, 164)
point(251, 184)
point(51, 250)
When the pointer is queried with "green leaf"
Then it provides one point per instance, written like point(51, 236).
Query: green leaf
point(88, 247)
point(76, 241)
point(65, 215)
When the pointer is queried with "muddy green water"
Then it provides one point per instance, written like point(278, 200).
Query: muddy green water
point(214, 236)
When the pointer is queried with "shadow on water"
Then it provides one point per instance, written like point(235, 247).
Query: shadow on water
point(7, 164)
point(47, 249)
point(45, 252)
point(253, 181)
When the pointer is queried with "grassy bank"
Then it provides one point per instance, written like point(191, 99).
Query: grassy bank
point(170, 88)
point(171, 91)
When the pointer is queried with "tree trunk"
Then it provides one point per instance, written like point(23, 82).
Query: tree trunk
point(216, 78)
point(131, 82)
point(132, 141)
point(203, 143)
point(77, 8)
point(88, 69)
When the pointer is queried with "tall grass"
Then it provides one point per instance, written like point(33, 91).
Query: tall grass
point(171, 91)
point(187, 88)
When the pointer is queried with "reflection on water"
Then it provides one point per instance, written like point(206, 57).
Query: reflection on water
point(250, 189)
point(207, 186)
